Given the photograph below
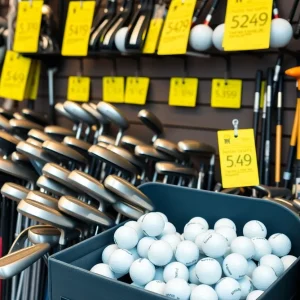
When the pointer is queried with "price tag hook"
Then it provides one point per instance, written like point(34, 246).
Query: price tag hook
point(235, 123)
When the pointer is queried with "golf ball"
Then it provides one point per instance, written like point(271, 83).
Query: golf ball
point(120, 261)
point(134, 253)
point(214, 245)
point(176, 270)
point(208, 271)
point(120, 39)
point(281, 33)
point(228, 233)
point(187, 253)
point(246, 286)
point(191, 230)
point(126, 237)
point(243, 246)
point(135, 225)
point(274, 262)
point(263, 277)
point(288, 260)
point(104, 270)
point(218, 36)
point(262, 248)
point(254, 229)
point(228, 289)
point(254, 295)
point(201, 37)
point(156, 286)
point(108, 251)
point(142, 271)
point(172, 239)
point(152, 224)
point(160, 253)
point(203, 292)
point(235, 266)
point(168, 229)
point(163, 216)
point(144, 245)
point(177, 289)
point(192, 275)
point(251, 267)
point(201, 221)
point(224, 222)
point(281, 245)
point(199, 239)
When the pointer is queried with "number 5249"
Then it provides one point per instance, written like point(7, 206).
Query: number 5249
point(245, 21)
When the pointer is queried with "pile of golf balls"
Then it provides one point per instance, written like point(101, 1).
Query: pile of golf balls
point(200, 263)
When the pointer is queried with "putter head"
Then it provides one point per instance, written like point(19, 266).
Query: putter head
point(44, 234)
point(39, 135)
point(91, 186)
point(20, 158)
point(14, 192)
point(22, 127)
point(151, 121)
point(4, 124)
point(131, 142)
point(169, 148)
point(59, 107)
point(79, 113)
point(58, 133)
point(128, 210)
point(34, 142)
point(113, 114)
point(195, 147)
point(128, 192)
point(18, 116)
point(8, 143)
point(43, 199)
point(78, 145)
point(173, 169)
point(103, 145)
point(109, 140)
point(34, 117)
point(83, 212)
point(150, 153)
point(91, 108)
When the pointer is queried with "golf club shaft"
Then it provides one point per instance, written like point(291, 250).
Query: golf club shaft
point(256, 102)
point(262, 141)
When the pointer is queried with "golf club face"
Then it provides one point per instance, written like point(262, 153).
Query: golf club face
point(169, 148)
point(59, 107)
point(44, 234)
point(91, 186)
point(78, 145)
point(113, 159)
point(14, 263)
point(106, 140)
point(46, 215)
point(113, 114)
point(83, 211)
point(151, 121)
point(78, 112)
point(19, 158)
point(103, 119)
point(93, 111)
point(128, 192)
point(58, 133)
point(149, 152)
point(195, 147)
point(24, 125)
point(34, 117)
point(131, 142)
point(167, 168)
point(128, 210)
point(8, 143)
point(43, 199)
point(14, 192)
point(39, 135)
point(4, 124)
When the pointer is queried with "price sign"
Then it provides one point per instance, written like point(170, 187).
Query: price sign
point(28, 26)
point(14, 76)
point(226, 93)
point(247, 25)
point(183, 91)
point(79, 88)
point(238, 158)
point(176, 30)
point(78, 27)
point(113, 89)
point(136, 90)
point(35, 81)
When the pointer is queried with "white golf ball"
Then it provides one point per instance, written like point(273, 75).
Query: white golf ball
point(243, 246)
point(201, 221)
point(251, 267)
point(135, 225)
point(176, 270)
point(153, 224)
point(177, 289)
point(156, 286)
point(262, 248)
point(192, 275)
point(120, 261)
point(281, 245)
point(159, 274)
point(224, 222)
point(168, 229)
point(192, 286)
point(214, 245)
point(142, 271)
point(288, 260)
point(199, 239)
point(160, 253)
point(141, 218)
point(254, 229)
point(108, 251)
point(228, 233)
point(126, 237)
point(274, 262)
point(208, 271)
point(134, 253)
point(187, 253)
point(120, 39)
point(163, 216)
point(246, 286)
point(201, 37)
point(203, 292)
point(218, 36)
point(172, 239)
point(144, 245)
point(104, 270)
point(281, 33)
point(254, 295)
point(263, 277)
point(228, 289)
point(235, 266)
point(191, 230)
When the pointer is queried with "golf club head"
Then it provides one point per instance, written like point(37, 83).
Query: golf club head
point(92, 187)
point(78, 145)
point(195, 148)
point(8, 143)
point(169, 148)
point(20, 158)
point(44, 234)
point(14, 263)
point(103, 145)
point(4, 124)
point(128, 192)
point(23, 126)
point(91, 108)
point(39, 135)
point(131, 142)
point(79, 113)
point(34, 142)
point(42, 198)
point(173, 169)
point(150, 153)
point(106, 139)
point(128, 210)
point(35, 117)
point(59, 107)
point(6, 113)
point(151, 121)
point(18, 116)
point(84, 212)
point(296, 204)
point(14, 192)
point(58, 133)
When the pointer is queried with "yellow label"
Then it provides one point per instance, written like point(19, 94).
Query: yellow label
point(183, 91)
point(226, 93)
point(238, 158)
point(28, 26)
point(176, 30)
point(14, 76)
point(79, 88)
point(136, 90)
point(113, 89)
point(153, 36)
point(30, 79)
point(78, 27)
point(262, 94)
point(247, 24)
point(35, 81)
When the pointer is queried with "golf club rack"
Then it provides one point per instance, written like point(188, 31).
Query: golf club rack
point(130, 130)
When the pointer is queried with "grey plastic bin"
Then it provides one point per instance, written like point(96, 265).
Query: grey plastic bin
point(70, 279)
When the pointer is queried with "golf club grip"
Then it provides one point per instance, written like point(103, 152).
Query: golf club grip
point(293, 11)
point(255, 124)
point(278, 153)
point(262, 151)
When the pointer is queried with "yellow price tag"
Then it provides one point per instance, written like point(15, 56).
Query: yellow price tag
point(226, 93)
point(176, 30)
point(28, 26)
point(238, 158)
point(262, 94)
point(79, 88)
point(30, 79)
point(78, 27)
point(153, 36)
point(183, 91)
point(14, 76)
point(247, 25)
point(35, 81)
point(136, 90)
point(113, 89)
